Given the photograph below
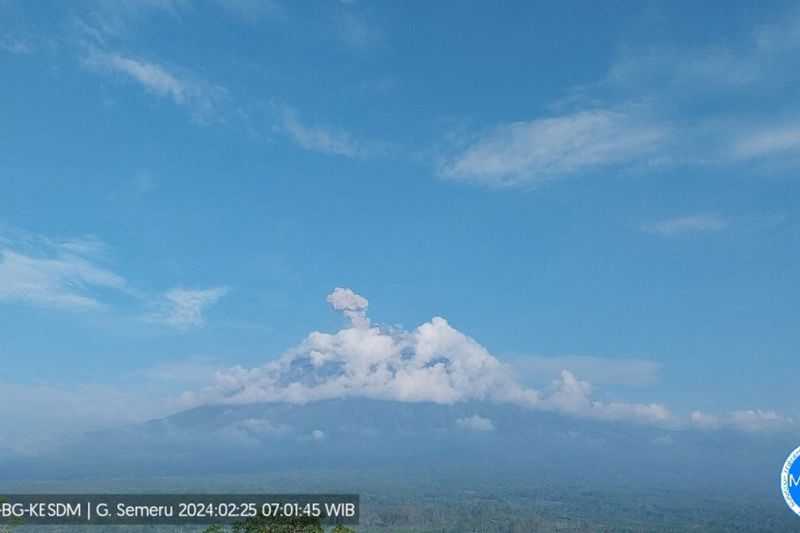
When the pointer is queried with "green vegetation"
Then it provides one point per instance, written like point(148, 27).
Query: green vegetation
point(271, 525)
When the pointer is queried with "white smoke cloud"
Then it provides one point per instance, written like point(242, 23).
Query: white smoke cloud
point(353, 305)
point(432, 363)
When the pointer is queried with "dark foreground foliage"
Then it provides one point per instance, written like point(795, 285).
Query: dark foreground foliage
point(272, 525)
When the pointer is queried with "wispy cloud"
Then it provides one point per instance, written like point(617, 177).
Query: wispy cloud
point(201, 98)
point(775, 141)
point(70, 275)
point(185, 308)
point(699, 223)
point(102, 33)
point(322, 139)
point(675, 79)
point(749, 420)
point(58, 275)
point(531, 152)
point(151, 76)
point(647, 112)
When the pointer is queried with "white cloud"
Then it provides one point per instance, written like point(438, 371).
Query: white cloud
point(59, 275)
point(151, 76)
point(201, 98)
point(318, 435)
point(749, 420)
point(699, 223)
point(756, 61)
point(321, 139)
point(432, 363)
point(184, 308)
point(68, 274)
point(571, 395)
point(85, 246)
point(677, 74)
point(649, 110)
point(437, 363)
point(745, 70)
point(765, 142)
point(531, 152)
point(475, 423)
point(758, 420)
point(574, 396)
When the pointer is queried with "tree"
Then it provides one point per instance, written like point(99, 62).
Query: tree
point(272, 525)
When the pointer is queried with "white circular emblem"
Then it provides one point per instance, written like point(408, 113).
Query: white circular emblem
point(790, 481)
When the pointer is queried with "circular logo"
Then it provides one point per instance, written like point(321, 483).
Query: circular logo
point(790, 481)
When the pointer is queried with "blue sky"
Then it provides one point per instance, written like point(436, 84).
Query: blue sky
point(608, 189)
